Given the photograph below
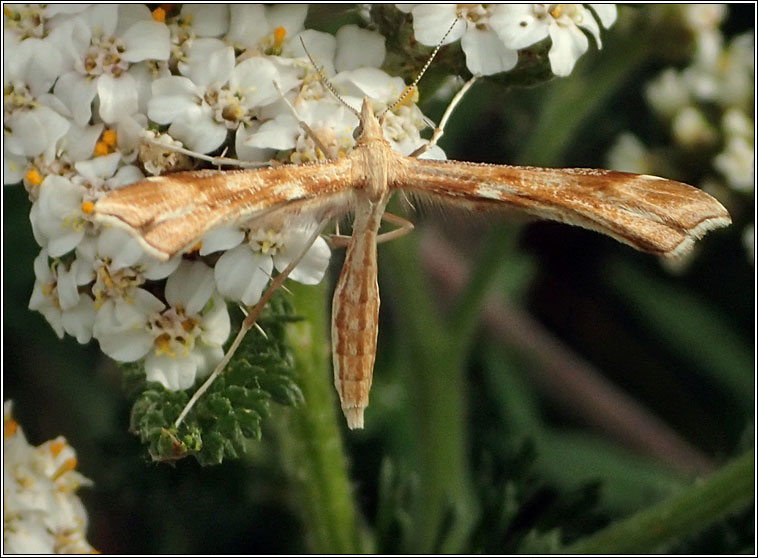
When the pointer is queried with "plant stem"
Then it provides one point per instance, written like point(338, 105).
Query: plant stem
point(312, 449)
point(436, 387)
point(731, 488)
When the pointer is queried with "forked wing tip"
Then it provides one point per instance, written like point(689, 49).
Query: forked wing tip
point(696, 233)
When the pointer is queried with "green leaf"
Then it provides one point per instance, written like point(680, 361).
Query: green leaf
point(232, 411)
point(729, 489)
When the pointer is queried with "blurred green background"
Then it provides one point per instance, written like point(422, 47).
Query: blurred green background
point(580, 381)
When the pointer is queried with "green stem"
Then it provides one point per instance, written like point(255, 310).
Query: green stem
point(731, 488)
point(496, 248)
point(311, 446)
point(436, 387)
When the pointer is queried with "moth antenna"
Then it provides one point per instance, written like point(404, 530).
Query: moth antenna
point(409, 90)
point(326, 82)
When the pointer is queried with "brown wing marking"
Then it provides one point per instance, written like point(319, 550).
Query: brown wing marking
point(169, 213)
point(646, 212)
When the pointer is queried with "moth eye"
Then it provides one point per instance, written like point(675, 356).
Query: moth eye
point(357, 132)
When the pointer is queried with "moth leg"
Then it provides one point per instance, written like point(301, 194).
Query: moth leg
point(315, 139)
point(215, 161)
point(303, 125)
point(248, 323)
point(440, 129)
point(404, 227)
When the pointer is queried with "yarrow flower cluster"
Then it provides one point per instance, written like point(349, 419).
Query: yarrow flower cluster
point(86, 86)
point(492, 34)
point(708, 107)
point(41, 512)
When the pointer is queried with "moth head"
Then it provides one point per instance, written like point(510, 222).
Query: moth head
point(369, 127)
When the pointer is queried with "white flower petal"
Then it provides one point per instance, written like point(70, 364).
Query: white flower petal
point(190, 286)
point(248, 24)
point(147, 303)
point(68, 291)
point(175, 373)
point(33, 132)
point(130, 14)
point(242, 274)
point(14, 167)
point(434, 153)
point(124, 344)
point(28, 538)
point(65, 242)
point(79, 320)
point(486, 54)
point(246, 152)
point(357, 47)
point(206, 358)
point(517, 26)
point(99, 167)
point(101, 18)
point(210, 61)
point(79, 142)
point(118, 246)
point(568, 45)
point(52, 102)
point(606, 13)
point(146, 40)
point(77, 93)
point(322, 47)
point(279, 133)
point(588, 22)
point(144, 74)
point(173, 96)
point(42, 267)
point(290, 16)
point(43, 304)
point(370, 82)
point(155, 269)
point(55, 214)
point(82, 269)
point(223, 238)
point(126, 175)
point(430, 21)
point(255, 79)
point(37, 63)
point(216, 324)
point(310, 270)
point(208, 20)
point(118, 97)
point(72, 37)
point(199, 132)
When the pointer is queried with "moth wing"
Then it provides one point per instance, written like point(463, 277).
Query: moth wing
point(169, 213)
point(651, 214)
